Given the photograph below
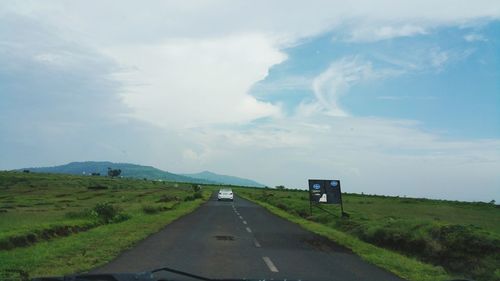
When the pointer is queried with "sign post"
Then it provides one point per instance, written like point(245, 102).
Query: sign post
point(325, 192)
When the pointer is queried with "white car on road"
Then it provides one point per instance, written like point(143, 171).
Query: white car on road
point(225, 194)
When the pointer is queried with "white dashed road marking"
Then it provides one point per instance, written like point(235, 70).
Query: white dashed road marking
point(244, 222)
point(249, 230)
point(256, 243)
point(270, 264)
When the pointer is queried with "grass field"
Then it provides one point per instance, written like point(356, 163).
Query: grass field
point(58, 224)
point(463, 238)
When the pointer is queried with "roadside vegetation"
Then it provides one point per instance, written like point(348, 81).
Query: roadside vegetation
point(61, 224)
point(418, 239)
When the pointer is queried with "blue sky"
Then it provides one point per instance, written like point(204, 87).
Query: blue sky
point(390, 97)
point(458, 96)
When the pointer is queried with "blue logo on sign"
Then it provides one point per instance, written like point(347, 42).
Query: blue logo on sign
point(316, 186)
point(334, 183)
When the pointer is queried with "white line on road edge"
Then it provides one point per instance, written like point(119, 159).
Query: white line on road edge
point(256, 243)
point(249, 230)
point(244, 222)
point(270, 264)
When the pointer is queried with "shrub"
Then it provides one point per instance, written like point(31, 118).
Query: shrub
point(193, 197)
point(196, 188)
point(121, 217)
point(197, 195)
point(282, 206)
point(107, 213)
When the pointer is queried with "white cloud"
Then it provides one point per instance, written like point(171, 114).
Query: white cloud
point(437, 59)
point(330, 85)
point(185, 82)
point(473, 37)
point(290, 82)
point(133, 22)
point(341, 75)
point(376, 33)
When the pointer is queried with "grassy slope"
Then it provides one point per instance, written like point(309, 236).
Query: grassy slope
point(37, 201)
point(375, 219)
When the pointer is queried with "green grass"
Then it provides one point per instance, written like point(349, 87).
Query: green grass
point(50, 225)
point(34, 204)
point(403, 235)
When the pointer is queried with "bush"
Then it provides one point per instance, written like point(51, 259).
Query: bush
point(282, 206)
point(197, 195)
point(193, 197)
point(196, 188)
point(107, 213)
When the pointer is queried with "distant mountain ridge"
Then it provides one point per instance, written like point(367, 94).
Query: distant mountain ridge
point(140, 171)
point(206, 175)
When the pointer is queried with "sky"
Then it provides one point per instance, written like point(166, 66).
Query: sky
point(390, 97)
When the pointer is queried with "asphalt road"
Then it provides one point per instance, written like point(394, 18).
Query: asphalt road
point(243, 240)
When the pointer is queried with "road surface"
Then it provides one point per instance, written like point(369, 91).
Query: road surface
point(243, 240)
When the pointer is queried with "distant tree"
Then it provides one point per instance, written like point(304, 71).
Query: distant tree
point(96, 174)
point(26, 171)
point(492, 202)
point(280, 187)
point(114, 172)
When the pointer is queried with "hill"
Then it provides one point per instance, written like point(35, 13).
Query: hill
point(230, 180)
point(141, 172)
point(128, 170)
